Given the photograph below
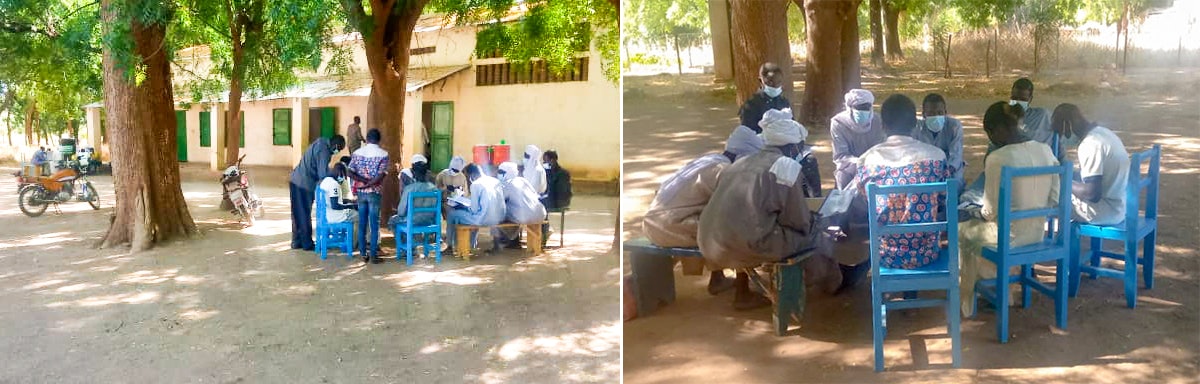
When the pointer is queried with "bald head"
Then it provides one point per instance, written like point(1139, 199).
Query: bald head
point(1068, 120)
point(771, 75)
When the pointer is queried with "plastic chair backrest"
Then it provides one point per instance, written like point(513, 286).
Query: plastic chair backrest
point(949, 225)
point(414, 209)
point(1006, 215)
point(1138, 182)
point(322, 203)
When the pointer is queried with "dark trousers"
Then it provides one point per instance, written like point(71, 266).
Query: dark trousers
point(302, 202)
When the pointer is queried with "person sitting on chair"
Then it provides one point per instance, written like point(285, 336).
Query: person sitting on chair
point(336, 210)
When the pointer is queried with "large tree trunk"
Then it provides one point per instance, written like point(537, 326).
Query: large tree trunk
point(233, 126)
point(824, 66)
point(891, 18)
point(387, 47)
point(876, 33)
point(851, 59)
point(150, 206)
point(30, 116)
point(757, 39)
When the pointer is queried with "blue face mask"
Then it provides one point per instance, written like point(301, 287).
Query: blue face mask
point(862, 117)
point(935, 123)
point(772, 91)
point(1024, 104)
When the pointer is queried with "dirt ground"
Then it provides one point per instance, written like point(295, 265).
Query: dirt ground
point(237, 306)
point(700, 338)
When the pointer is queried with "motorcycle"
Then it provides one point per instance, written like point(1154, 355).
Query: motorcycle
point(68, 183)
point(237, 195)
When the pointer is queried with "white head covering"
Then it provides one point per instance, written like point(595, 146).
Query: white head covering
point(458, 163)
point(858, 96)
point(779, 128)
point(534, 152)
point(510, 170)
point(743, 142)
point(419, 158)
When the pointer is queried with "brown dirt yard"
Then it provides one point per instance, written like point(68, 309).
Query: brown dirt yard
point(700, 338)
point(237, 306)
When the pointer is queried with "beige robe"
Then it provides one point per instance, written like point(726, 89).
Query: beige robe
point(1027, 193)
point(674, 215)
point(751, 219)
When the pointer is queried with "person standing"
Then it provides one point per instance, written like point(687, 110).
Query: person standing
point(302, 184)
point(354, 131)
point(368, 168)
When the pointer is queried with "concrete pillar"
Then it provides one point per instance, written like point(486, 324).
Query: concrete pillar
point(722, 45)
point(216, 134)
point(299, 128)
point(91, 135)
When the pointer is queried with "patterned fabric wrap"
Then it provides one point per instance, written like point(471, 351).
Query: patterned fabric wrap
point(909, 250)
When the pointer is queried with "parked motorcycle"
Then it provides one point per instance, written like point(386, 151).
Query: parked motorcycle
point(68, 183)
point(237, 194)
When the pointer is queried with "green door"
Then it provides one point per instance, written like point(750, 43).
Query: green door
point(441, 135)
point(205, 129)
point(328, 122)
point(181, 134)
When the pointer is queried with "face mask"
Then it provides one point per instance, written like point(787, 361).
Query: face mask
point(526, 156)
point(546, 166)
point(935, 123)
point(772, 91)
point(1072, 141)
point(341, 179)
point(861, 117)
point(1023, 104)
point(453, 172)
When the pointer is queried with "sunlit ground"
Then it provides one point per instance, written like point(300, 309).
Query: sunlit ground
point(700, 338)
point(236, 304)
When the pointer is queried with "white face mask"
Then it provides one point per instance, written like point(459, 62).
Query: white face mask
point(935, 123)
point(772, 91)
point(861, 117)
point(546, 166)
point(1024, 104)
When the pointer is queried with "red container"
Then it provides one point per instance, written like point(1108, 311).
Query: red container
point(483, 155)
point(501, 153)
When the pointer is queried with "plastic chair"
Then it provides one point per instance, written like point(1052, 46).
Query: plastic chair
point(942, 274)
point(406, 230)
point(1005, 256)
point(332, 235)
point(1135, 228)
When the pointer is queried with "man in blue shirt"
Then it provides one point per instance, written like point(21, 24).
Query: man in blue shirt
point(40, 161)
point(313, 167)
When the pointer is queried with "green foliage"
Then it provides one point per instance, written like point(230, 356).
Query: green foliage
point(50, 59)
point(273, 48)
point(978, 14)
point(796, 24)
point(665, 23)
point(553, 30)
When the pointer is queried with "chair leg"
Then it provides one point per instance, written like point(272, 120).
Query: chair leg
point(1094, 251)
point(1026, 278)
point(437, 245)
point(321, 243)
point(877, 327)
point(1075, 270)
point(1148, 258)
point(953, 316)
point(1060, 294)
point(1131, 277)
point(1002, 299)
point(409, 248)
point(789, 283)
point(562, 228)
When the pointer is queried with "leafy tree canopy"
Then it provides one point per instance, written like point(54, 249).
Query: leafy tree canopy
point(553, 31)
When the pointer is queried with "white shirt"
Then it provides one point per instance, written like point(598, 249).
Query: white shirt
point(332, 189)
point(1027, 192)
point(1101, 153)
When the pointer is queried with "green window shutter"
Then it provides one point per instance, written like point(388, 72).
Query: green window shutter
point(281, 132)
point(242, 137)
point(328, 122)
point(205, 129)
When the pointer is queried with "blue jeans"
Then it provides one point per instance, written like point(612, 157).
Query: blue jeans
point(368, 214)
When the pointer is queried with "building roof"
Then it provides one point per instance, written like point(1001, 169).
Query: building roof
point(355, 84)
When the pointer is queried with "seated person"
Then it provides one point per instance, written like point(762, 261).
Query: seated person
point(41, 162)
point(900, 160)
point(674, 215)
point(347, 194)
point(532, 170)
point(417, 182)
point(336, 210)
point(558, 188)
point(938, 129)
point(758, 214)
point(520, 201)
point(977, 226)
point(1098, 196)
point(486, 207)
point(1035, 124)
point(854, 131)
point(768, 98)
point(406, 174)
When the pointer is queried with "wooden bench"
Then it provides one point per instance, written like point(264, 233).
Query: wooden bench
point(462, 246)
point(654, 281)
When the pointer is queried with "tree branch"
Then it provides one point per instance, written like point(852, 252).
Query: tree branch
point(355, 12)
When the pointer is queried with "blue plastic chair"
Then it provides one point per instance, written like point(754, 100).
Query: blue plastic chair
point(406, 230)
point(1052, 248)
point(939, 275)
point(1135, 228)
point(332, 235)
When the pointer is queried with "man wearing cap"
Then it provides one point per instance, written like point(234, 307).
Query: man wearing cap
point(674, 215)
point(854, 131)
point(758, 213)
